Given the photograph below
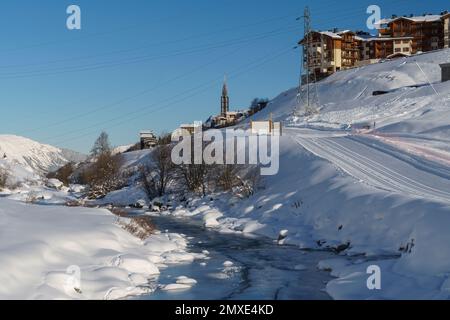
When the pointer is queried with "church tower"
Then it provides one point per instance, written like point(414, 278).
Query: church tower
point(225, 100)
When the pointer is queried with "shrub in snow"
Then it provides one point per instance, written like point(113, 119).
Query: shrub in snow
point(4, 175)
point(103, 175)
point(141, 227)
point(63, 174)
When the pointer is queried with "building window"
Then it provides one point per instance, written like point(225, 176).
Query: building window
point(405, 49)
point(398, 50)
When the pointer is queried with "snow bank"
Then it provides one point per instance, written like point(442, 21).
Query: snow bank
point(52, 252)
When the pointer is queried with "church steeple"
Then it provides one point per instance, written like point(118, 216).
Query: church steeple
point(225, 100)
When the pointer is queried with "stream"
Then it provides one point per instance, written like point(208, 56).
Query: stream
point(261, 269)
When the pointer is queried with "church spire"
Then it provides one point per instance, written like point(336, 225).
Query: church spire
point(225, 101)
point(225, 88)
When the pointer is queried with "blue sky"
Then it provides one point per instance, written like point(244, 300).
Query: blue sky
point(153, 64)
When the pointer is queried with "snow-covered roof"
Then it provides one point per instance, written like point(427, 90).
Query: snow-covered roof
point(425, 18)
point(345, 31)
point(387, 38)
point(331, 34)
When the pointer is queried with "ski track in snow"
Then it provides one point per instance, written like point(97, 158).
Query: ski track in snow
point(375, 168)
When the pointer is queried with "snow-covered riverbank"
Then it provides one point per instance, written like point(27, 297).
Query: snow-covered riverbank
point(55, 252)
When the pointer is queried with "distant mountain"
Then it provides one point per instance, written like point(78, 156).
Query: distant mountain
point(41, 158)
point(73, 156)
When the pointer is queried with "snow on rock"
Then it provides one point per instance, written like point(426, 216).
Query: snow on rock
point(210, 218)
point(228, 264)
point(175, 287)
point(185, 280)
point(54, 184)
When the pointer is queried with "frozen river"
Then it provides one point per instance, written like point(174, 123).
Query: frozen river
point(261, 269)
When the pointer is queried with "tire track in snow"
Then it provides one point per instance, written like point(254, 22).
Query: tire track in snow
point(370, 171)
point(414, 184)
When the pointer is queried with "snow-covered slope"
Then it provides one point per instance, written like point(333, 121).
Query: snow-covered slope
point(411, 104)
point(31, 154)
point(384, 193)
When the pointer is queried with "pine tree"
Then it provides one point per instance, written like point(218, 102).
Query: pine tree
point(101, 145)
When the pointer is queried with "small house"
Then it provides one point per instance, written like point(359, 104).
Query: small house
point(188, 129)
point(266, 127)
point(148, 139)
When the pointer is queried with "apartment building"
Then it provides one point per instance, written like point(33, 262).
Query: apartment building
point(446, 22)
point(351, 48)
point(427, 31)
point(323, 51)
point(331, 51)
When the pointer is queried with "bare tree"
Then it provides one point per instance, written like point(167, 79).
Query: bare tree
point(195, 176)
point(63, 174)
point(159, 173)
point(226, 177)
point(103, 175)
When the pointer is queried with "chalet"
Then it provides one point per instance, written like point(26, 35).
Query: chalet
point(148, 139)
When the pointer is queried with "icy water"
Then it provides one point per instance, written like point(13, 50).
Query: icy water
point(261, 268)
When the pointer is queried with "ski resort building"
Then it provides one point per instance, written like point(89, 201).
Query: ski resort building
point(322, 53)
point(427, 31)
point(326, 52)
point(446, 19)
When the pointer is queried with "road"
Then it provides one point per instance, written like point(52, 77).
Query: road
point(377, 164)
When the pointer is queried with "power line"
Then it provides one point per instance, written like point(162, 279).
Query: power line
point(191, 92)
point(145, 58)
point(176, 41)
point(138, 94)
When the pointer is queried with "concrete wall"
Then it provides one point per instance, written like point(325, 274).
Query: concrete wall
point(445, 72)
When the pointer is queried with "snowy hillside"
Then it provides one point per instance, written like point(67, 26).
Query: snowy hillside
point(347, 97)
point(382, 194)
point(31, 154)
